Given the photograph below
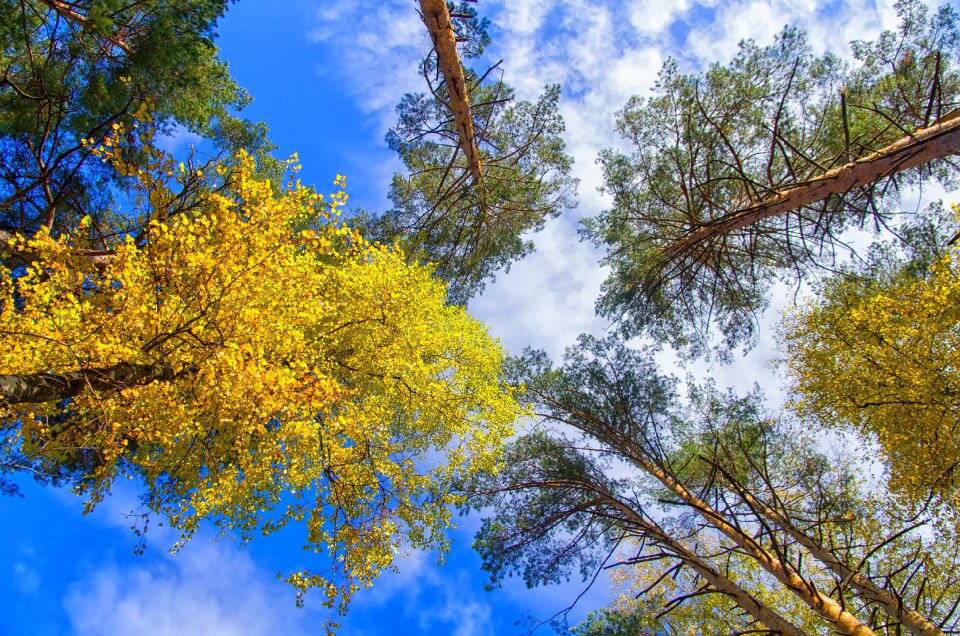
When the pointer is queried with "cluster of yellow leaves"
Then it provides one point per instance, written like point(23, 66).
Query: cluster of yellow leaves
point(885, 359)
point(319, 378)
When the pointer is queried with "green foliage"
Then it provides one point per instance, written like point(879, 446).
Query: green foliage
point(470, 230)
point(614, 434)
point(706, 146)
point(73, 70)
point(472, 30)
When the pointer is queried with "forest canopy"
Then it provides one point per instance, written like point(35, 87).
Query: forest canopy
point(259, 358)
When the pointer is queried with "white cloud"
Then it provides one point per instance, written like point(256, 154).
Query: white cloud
point(209, 588)
point(178, 140)
point(435, 598)
point(830, 27)
point(26, 577)
point(547, 299)
point(652, 17)
point(377, 47)
point(524, 18)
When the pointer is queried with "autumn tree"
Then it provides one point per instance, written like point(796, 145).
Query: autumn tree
point(750, 172)
point(483, 168)
point(714, 495)
point(254, 363)
point(877, 350)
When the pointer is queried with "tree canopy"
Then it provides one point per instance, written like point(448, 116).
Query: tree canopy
point(71, 70)
point(220, 334)
point(254, 363)
point(877, 352)
point(467, 211)
point(714, 495)
point(750, 172)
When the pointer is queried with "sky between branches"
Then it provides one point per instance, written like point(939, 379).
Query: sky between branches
point(325, 76)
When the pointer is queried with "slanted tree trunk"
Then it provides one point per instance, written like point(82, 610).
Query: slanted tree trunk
point(892, 605)
point(826, 606)
point(607, 505)
point(744, 599)
point(52, 387)
point(940, 140)
point(437, 18)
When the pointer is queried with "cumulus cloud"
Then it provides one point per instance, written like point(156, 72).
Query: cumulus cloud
point(547, 299)
point(209, 588)
point(830, 27)
point(26, 577)
point(435, 599)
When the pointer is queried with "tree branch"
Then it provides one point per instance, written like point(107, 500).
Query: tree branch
point(437, 19)
point(928, 144)
point(53, 387)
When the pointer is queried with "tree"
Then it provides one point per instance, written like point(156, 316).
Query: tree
point(484, 169)
point(254, 363)
point(877, 352)
point(71, 70)
point(750, 172)
point(746, 510)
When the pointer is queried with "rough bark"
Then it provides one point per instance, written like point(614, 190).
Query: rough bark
point(746, 601)
point(52, 387)
point(894, 607)
point(826, 606)
point(437, 18)
point(940, 140)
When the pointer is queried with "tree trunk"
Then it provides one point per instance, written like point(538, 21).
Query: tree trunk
point(940, 140)
point(52, 387)
point(437, 18)
point(744, 599)
point(826, 606)
point(893, 606)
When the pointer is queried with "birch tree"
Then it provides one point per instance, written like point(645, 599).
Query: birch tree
point(254, 364)
point(877, 353)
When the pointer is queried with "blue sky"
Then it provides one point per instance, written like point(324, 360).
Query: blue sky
point(325, 75)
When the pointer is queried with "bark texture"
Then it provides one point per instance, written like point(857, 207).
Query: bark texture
point(437, 18)
point(916, 622)
point(52, 387)
point(826, 606)
point(940, 140)
point(744, 599)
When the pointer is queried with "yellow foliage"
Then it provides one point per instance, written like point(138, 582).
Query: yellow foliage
point(318, 378)
point(884, 359)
